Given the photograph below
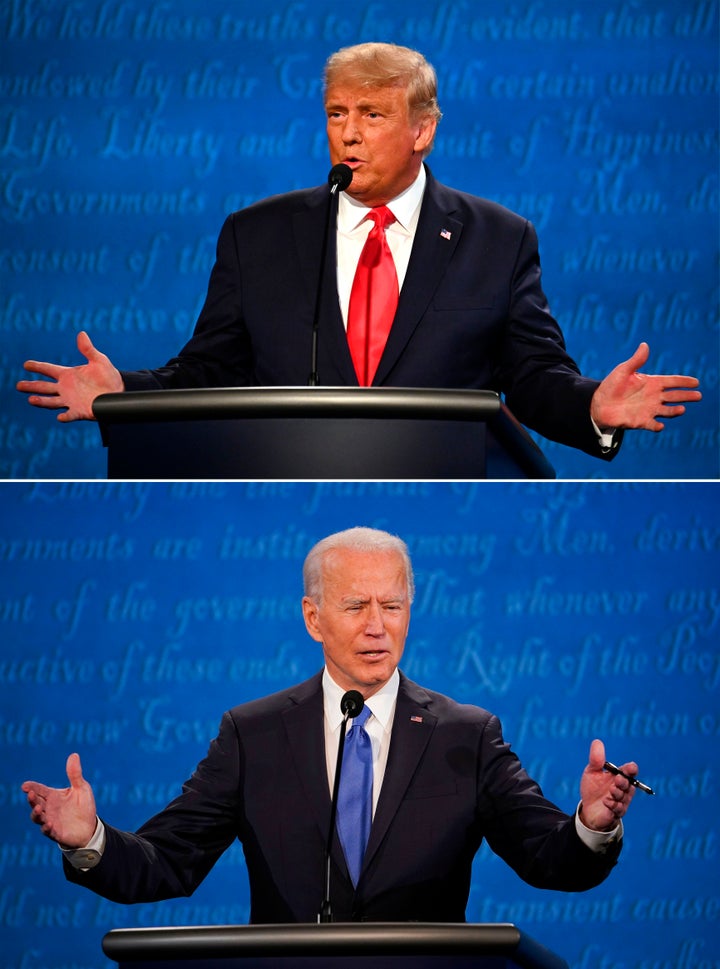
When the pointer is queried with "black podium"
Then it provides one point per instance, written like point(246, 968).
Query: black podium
point(340, 945)
point(315, 433)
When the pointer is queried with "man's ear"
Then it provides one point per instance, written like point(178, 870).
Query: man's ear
point(310, 615)
point(426, 132)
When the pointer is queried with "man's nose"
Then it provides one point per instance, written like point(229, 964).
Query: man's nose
point(351, 132)
point(375, 623)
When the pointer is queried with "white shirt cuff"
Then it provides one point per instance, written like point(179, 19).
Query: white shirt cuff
point(597, 841)
point(89, 856)
point(606, 438)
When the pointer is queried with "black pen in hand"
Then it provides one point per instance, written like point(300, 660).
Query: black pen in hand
point(633, 780)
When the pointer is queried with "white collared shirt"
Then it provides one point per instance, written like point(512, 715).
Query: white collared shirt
point(353, 228)
point(378, 727)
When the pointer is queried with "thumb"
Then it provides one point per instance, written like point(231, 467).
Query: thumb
point(73, 768)
point(597, 755)
point(639, 358)
point(85, 345)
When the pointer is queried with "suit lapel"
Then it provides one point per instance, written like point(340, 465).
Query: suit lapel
point(305, 733)
point(412, 729)
point(336, 366)
point(436, 238)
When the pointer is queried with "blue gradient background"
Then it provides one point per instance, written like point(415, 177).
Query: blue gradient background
point(133, 615)
point(128, 130)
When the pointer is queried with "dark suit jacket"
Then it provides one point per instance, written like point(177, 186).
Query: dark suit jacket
point(472, 313)
point(450, 781)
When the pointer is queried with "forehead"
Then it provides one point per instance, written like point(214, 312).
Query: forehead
point(347, 571)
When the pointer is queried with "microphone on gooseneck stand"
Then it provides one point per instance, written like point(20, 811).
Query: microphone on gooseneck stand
point(351, 706)
point(339, 178)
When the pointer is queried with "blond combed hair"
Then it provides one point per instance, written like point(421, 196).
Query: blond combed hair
point(388, 65)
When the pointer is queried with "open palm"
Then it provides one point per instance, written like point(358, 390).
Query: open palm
point(66, 814)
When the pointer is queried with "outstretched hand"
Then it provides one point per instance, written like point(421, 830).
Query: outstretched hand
point(67, 814)
point(628, 399)
point(74, 388)
point(605, 797)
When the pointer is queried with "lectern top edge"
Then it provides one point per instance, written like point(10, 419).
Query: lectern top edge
point(227, 403)
point(188, 943)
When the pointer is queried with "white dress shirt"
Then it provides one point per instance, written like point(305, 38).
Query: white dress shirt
point(353, 228)
point(379, 729)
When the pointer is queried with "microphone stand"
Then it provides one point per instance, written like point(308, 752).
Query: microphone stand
point(339, 178)
point(325, 913)
point(351, 706)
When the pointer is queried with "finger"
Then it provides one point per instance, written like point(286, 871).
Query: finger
point(652, 424)
point(34, 790)
point(630, 768)
point(51, 402)
point(676, 411)
point(37, 812)
point(37, 386)
point(73, 768)
point(597, 755)
point(678, 380)
point(52, 370)
point(680, 396)
point(667, 390)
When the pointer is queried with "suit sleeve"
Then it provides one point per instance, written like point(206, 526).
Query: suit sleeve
point(537, 839)
point(219, 353)
point(543, 386)
point(172, 853)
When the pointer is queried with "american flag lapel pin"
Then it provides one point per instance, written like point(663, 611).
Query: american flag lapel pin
point(445, 234)
point(415, 719)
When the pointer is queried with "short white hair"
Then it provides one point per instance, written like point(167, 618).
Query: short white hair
point(359, 539)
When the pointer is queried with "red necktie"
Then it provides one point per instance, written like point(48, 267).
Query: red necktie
point(373, 299)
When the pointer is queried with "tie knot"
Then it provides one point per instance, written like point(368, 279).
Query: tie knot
point(381, 216)
point(362, 718)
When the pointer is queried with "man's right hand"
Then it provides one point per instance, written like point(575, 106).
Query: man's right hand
point(74, 388)
point(67, 814)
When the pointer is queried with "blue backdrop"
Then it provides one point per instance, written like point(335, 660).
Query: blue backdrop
point(128, 130)
point(133, 615)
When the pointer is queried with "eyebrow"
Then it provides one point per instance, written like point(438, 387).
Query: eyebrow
point(361, 105)
point(363, 600)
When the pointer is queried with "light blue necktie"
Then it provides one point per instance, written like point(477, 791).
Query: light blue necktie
point(354, 809)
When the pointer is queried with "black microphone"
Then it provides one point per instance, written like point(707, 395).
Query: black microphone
point(339, 178)
point(350, 706)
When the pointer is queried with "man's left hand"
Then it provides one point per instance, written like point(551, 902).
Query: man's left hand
point(605, 797)
point(628, 399)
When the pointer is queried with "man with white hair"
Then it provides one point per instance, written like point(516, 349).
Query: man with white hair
point(438, 780)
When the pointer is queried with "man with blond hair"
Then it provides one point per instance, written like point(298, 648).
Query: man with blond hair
point(457, 301)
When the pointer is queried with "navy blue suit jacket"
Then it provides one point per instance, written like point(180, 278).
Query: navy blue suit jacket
point(451, 781)
point(472, 312)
